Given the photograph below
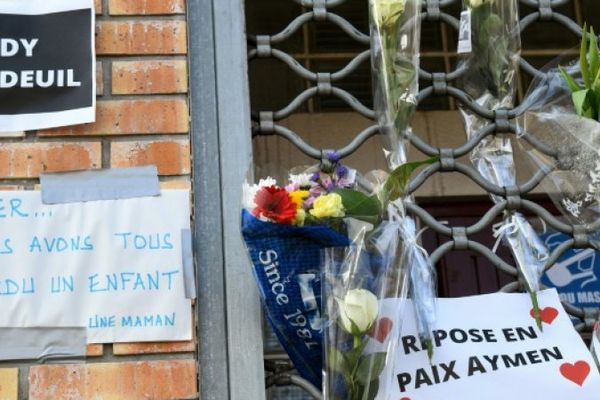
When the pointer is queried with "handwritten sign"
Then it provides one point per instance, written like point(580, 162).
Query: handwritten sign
point(489, 347)
point(114, 266)
point(47, 64)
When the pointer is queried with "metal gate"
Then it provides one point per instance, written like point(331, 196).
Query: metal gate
point(537, 16)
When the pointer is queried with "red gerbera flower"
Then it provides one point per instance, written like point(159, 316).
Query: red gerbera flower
point(276, 204)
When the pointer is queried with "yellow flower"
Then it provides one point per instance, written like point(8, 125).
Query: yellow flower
point(387, 12)
point(299, 196)
point(328, 206)
point(300, 217)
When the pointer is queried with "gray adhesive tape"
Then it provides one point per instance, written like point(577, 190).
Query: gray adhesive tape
point(42, 343)
point(188, 264)
point(108, 184)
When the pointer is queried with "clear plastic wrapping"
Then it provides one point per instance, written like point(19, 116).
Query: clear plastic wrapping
point(490, 62)
point(395, 40)
point(285, 229)
point(595, 345)
point(395, 48)
point(491, 55)
point(551, 127)
point(357, 278)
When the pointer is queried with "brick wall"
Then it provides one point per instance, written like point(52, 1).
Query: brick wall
point(142, 118)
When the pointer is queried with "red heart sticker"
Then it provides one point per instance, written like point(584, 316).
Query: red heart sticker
point(405, 398)
point(547, 314)
point(577, 372)
point(381, 329)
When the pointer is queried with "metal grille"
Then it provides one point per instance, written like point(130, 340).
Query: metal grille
point(318, 84)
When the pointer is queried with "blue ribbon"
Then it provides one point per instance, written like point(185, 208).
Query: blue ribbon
point(287, 266)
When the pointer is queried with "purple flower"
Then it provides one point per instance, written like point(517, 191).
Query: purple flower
point(341, 171)
point(333, 156)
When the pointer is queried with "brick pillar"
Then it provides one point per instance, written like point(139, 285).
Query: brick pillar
point(142, 118)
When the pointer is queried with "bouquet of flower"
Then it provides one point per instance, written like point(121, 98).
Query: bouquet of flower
point(395, 40)
point(561, 125)
point(379, 263)
point(490, 44)
point(285, 228)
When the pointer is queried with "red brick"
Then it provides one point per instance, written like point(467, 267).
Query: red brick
point(125, 117)
point(121, 349)
point(156, 380)
point(141, 37)
point(28, 160)
point(95, 350)
point(99, 79)
point(176, 184)
point(98, 6)
point(148, 77)
point(146, 7)
point(172, 157)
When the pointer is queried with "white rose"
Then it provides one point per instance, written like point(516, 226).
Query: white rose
point(358, 311)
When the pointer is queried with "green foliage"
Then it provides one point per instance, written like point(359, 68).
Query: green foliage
point(395, 186)
point(492, 47)
point(370, 208)
point(370, 367)
point(537, 312)
point(360, 206)
point(586, 94)
point(360, 371)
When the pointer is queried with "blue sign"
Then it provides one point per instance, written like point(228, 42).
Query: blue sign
point(576, 274)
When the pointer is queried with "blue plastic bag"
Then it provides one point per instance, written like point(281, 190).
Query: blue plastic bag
point(287, 266)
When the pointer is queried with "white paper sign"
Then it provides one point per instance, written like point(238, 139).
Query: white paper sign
point(489, 347)
point(114, 266)
point(47, 64)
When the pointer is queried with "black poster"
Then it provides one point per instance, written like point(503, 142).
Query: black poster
point(47, 64)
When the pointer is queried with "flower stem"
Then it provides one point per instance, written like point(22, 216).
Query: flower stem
point(357, 342)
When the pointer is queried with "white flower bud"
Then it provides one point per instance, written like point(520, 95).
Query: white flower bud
point(358, 311)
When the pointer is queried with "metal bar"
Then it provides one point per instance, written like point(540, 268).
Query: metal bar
point(449, 86)
point(242, 306)
point(208, 226)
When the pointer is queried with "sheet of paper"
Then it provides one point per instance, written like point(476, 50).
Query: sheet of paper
point(489, 347)
point(47, 64)
point(112, 266)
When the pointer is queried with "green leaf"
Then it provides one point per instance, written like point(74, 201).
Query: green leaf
point(369, 392)
point(370, 367)
point(593, 52)
point(583, 53)
point(429, 346)
point(583, 102)
point(573, 84)
point(395, 185)
point(358, 204)
point(536, 310)
point(354, 355)
point(596, 90)
point(337, 361)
